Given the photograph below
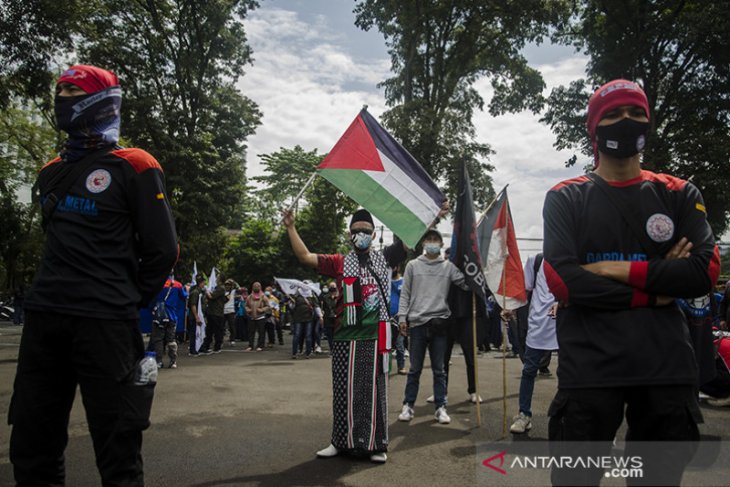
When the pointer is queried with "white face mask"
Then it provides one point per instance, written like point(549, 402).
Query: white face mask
point(432, 248)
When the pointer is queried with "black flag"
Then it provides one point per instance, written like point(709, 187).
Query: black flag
point(464, 251)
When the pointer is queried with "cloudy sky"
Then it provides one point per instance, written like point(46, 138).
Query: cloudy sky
point(313, 70)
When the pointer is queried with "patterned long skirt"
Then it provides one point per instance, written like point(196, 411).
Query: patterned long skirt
point(359, 397)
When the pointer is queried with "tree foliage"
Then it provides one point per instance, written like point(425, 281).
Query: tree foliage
point(679, 51)
point(438, 50)
point(178, 61)
point(26, 142)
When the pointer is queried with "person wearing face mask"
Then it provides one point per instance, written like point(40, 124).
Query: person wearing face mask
point(361, 344)
point(272, 321)
point(620, 244)
point(257, 309)
point(110, 245)
point(424, 315)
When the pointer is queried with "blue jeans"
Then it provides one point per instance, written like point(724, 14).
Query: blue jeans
point(420, 339)
point(532, 357)
point(400, 351)
point(299, 328)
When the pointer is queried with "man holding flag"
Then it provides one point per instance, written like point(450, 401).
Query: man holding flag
point(361, 337)
point(466, 305)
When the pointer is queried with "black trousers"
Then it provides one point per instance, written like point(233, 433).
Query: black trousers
point(57, 353)
point(462, 331)
point(213, 332)
point(255, 326)
point(586, 420)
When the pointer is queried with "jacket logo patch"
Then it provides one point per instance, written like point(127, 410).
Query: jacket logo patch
point(660, 227)
point(98, 181)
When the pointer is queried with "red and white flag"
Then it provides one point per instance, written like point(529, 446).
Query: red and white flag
point(500, 256)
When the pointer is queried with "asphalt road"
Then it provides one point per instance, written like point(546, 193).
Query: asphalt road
point(257, 419)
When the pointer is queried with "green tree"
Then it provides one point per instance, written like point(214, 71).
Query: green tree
point(438, 50)
point(679, 51)
point(26, 142)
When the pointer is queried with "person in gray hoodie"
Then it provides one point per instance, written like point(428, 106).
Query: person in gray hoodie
point(424, 316)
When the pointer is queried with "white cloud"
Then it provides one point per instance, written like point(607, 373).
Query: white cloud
point(309, 88)
point(304, 84)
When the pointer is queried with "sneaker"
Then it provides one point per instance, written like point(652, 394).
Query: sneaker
point(160, 365)
point(544, 372)
point(522, 423)
point(173, 365)
point(719, 403)
point(193, 354)
point(406, 354)
point(205, 352)
point(217, 351)
point(258, 349)
point(402, 371)
point(317, 349)
point(293, 357)
point(430, 398)
point(406, 414)
point(441, 416)
point(473, 398)
point(233, 343)
point(329, 452)
point(249, 349)
point(379, 457)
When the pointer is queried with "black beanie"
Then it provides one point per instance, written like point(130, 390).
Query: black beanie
point(362, 215)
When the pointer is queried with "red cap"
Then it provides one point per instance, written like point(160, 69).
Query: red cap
point(89, 78)
point(612, 95)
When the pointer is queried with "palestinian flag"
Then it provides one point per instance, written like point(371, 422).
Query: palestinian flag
point(369, 166)
point(500, 255)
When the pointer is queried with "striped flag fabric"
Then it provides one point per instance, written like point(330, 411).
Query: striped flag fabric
point(500, 255)
point(369, 166)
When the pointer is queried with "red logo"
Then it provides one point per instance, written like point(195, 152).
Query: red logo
point(500, 456)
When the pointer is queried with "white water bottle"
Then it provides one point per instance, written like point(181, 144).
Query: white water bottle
point(146, 370)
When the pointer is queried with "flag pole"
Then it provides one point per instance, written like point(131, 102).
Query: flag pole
point(484, 213)
point(504, 354)
point(301, 192)
point(474, 352)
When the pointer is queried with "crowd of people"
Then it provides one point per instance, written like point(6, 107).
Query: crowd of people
point(604, 294)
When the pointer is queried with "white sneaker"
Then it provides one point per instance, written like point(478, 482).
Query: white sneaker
point(406, 414)
point(233, 343)
point(330, 451)
point(380, 457)
point(317, 349)
point(441, 415)
point(522, 423)
point(473, 398)
point(406, 354)
point(430, 398)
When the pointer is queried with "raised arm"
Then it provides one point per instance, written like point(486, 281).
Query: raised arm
point(297, 244)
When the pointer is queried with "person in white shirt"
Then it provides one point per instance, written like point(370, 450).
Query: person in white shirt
point(541, 337)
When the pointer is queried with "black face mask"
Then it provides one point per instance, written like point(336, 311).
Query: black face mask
point(622, 139)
